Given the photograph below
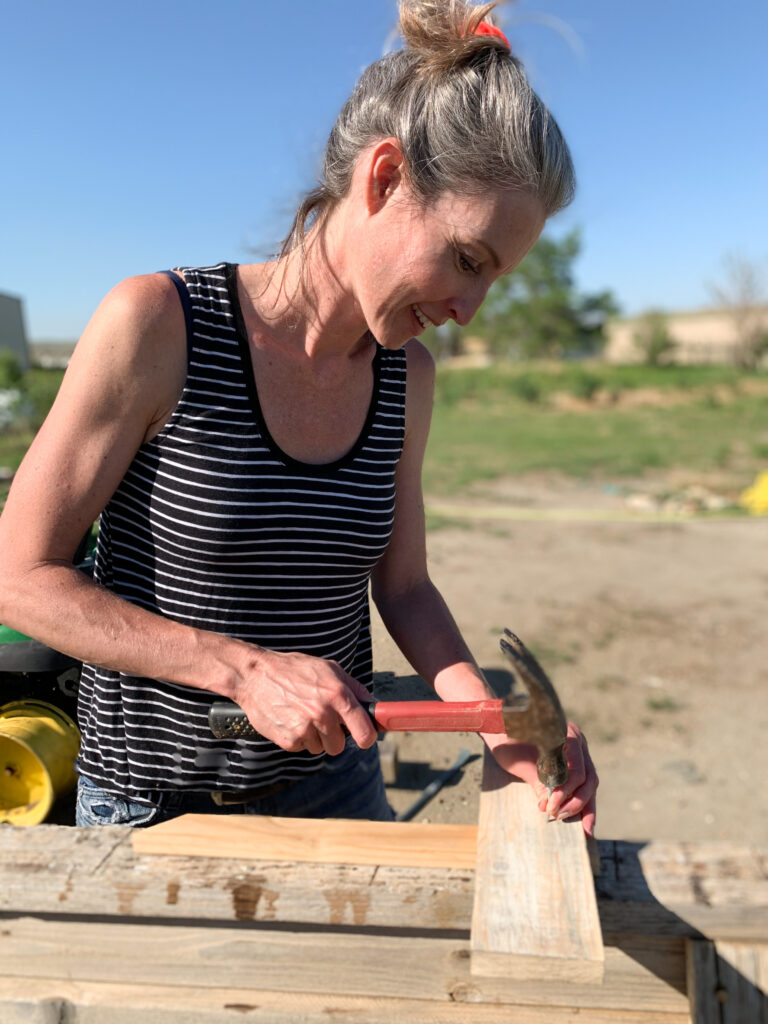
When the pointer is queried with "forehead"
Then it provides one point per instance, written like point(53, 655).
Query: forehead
point(507, 221)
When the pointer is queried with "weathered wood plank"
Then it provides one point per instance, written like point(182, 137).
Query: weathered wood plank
point(348, 963)
point(535, 912)
point(51, 1001)
point(719, 888)
point(53, 869)
point(727, 982)
point(320, 840)
point(56, 869)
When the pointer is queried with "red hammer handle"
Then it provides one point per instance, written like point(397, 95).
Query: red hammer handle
point(228, 721)
point(438, 716)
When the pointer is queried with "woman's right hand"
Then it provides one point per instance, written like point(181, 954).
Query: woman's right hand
point(301, 702)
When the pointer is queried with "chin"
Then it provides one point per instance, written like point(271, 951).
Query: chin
point(394, 344)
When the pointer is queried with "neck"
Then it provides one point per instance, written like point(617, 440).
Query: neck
point(303, 299)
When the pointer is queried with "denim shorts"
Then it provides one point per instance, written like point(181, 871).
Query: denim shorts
point(349, 785)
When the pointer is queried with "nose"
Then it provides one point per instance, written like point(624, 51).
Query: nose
point(463, 308)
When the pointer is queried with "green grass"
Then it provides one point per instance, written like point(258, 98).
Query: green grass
point(534, 382)
point(483, 428)
point(501, 420)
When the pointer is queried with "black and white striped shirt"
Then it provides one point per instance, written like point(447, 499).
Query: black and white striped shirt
point(214, 526)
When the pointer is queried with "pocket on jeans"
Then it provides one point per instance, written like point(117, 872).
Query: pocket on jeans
point(97, 807)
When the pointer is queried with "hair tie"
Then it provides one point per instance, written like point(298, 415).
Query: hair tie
point(486, 29)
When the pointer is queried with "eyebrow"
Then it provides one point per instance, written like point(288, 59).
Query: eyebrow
point(492, 253)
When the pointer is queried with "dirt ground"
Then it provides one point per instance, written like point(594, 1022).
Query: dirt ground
point(654, 633)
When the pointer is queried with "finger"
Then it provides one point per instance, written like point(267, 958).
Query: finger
point(588, 817)
point(583, 796)
point(333, 738)
point(353, 714)
point(312, 741)
point(575, 803)
point(560, 797)
point(563, 802)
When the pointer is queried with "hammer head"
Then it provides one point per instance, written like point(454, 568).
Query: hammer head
point(536, 717)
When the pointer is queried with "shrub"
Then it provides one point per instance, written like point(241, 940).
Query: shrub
point(653, 339)
point(10, 371)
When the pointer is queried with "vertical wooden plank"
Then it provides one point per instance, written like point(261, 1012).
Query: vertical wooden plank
point(743, 972)
point(702, 982)
point(727, 982)
point(535, 910)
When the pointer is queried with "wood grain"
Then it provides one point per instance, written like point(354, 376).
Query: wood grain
point(727, 982)
point(535, 912)
point(656, 889)
point(318, 840)
point(52, 1000)
point(435, 969)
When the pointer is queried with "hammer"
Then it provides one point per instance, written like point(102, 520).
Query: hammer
point(535, 716)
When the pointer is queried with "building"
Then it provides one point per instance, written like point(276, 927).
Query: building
point(13, 337)
point(700, 336)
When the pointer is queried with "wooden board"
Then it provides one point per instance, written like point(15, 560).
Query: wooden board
point(95, 871)
point(716, 888)
point(727, 982)
point(95, 933)
point(318, 840)
point(345, 962)
point(535, 911)
point(52, 1001)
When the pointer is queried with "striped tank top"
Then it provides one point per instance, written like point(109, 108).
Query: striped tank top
point(214, 526)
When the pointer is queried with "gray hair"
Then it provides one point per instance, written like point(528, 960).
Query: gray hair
point(462, 110)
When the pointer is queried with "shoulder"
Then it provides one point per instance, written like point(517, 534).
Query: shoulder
point(420, 362)
point(133, 351)
point(148, 302)
point(420, 367)
point(141, 320)
point(419, 388)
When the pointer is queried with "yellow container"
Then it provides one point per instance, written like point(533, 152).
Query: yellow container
point(38, 747)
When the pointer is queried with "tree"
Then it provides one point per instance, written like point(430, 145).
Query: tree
point(537, 312)
point(653, 339)
point(744, 294)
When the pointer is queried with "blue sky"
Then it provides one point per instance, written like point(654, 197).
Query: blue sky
point(155, 133)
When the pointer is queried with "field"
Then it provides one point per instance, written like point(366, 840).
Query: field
point(595, 511)
point(604, 528)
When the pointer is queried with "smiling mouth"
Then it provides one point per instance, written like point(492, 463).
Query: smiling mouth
point(423, 320)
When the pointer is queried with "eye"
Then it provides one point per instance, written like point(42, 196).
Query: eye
point(465, 264)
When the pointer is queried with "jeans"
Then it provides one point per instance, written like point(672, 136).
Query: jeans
point(349, 785)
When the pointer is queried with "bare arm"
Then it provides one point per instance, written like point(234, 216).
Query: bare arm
point(123, 382)
point(421, 624)
point(410, 605)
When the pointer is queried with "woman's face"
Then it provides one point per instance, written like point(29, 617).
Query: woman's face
point(417, 265)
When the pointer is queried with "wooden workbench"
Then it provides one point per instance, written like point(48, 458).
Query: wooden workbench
point(95, 933)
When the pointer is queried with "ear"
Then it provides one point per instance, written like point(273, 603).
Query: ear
point(385, 173)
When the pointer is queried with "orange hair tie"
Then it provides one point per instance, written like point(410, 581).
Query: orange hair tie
point(486, 29)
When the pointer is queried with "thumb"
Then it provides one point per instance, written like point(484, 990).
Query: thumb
point(360, 692)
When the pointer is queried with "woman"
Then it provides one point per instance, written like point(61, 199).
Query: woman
point(247, 434)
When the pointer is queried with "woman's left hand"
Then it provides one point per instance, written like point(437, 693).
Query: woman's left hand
point(576, 798)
